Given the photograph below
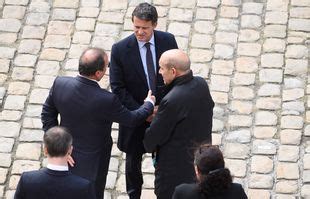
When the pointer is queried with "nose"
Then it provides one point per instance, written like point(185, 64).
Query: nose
point(140, 31)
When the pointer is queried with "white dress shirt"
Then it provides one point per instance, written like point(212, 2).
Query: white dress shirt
point(57, 167)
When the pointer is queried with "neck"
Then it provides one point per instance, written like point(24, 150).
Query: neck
point(61, 161)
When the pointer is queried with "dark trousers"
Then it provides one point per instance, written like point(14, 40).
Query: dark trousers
point(134, 179)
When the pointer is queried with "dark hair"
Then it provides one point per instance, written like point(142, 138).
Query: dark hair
point(91, 60)
point(145, 11)
point(57, 141)
point(214, 177)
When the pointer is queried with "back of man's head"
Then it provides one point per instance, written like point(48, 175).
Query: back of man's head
point(177, 59)
point(57, 141)
point(92, 60)
point(145, 11)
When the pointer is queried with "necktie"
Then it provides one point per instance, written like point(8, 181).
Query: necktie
point(150, 68)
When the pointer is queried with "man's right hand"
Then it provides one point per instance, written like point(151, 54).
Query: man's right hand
point(150, 97)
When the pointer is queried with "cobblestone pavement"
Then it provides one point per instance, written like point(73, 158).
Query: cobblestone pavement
point(253, 53)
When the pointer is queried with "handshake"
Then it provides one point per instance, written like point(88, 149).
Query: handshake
point(151, 98)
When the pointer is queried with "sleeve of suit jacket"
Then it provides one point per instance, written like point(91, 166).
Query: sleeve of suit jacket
point(117, 80)
point(19, 189)
point(162, 125)
point(120, 114)
point(49, 112)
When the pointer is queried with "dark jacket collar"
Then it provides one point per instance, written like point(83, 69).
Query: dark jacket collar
point(86, 81)
point(180, 80)
point(56, 173)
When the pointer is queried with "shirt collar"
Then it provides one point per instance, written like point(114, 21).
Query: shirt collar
point(57, 167)
point(152, 41)
point(87, 78)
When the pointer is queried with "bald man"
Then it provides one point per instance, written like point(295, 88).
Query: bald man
point(183, 121)
point(88, 111)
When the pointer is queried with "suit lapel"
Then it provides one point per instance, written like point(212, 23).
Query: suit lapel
point(135, 58)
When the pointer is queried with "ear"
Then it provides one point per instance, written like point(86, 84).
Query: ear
point(70, 150)
point(197, 172)
point(154, 25)
point(45, 151)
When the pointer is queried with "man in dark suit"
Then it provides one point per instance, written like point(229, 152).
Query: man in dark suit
point(55, 181)
point(183, 120)
point(133, 71)
point(88, 112)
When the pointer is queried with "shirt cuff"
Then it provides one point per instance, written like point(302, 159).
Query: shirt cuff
point(149, 100)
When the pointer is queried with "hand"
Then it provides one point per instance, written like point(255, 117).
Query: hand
point(70, 161)
point(150, 96)
point(150, 118)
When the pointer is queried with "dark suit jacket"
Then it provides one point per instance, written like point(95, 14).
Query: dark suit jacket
point(183, 121)
point(128, 81)
point(191, 191)
point(88, 112)
point(50, 184)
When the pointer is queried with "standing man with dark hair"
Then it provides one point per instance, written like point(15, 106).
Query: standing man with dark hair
point(88, 112)
point(183, 120)
point(134, 71)
point(55, 181)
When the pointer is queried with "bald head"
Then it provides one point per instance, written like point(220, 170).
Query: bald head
point(177, 59)
point(92, 60)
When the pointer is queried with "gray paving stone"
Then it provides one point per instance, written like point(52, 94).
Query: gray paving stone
point(276, 17)
point(10, 25)
point(269, 103)
point(300, 12)
point(60, 28)
point(271, 75)
point(205, 13)
point(220, 83)
point(88, 12)
point(180, 29)
point(103, 42)
point(3, 78)
point(66, 4)
point(222, 67)
point(9, 194)
point(44, 81)
point(274, 45)
point(229, 12)
point(201, 41)
point(264, 132)
point(295, 67)
point(111, 17)
point(6, 52)
point(29, 46)
point(32, 123)
point(8, 38)
point(48, 67)
point(223, 51)
point(305, 190)
point(72, 64)
point(246, 64)
point(244, 79)
point(6, 144)
point(52, 54)
point(208, 3)
point(239, 136)
point(39, 6)
point(90, 3)
point(292, 94)
point(20, 166)
point(237, 167)
point(5, 160)
point(64, 14)
point(81, 37)
point(269, 90)
point(115, 5)
point(264, 147)
point(252, 8)
point(217, 125)
point(220, 97)
point(10, 115)
point(249, 49)
point(15, 12)
point(286, 187)
point(57, 41)
point(148, 181)
point(15, 102)
point(183, 42)
point(147, 165)
point(261, 164)
point(307, 130)
point(76, 50)
point(38, 96)
point(200, 55)
point(37, 19)
point(34, 110)
point(23, 74)
point(107, 29)
point(289, 136)
point(29, 151)
point(25, 60)
point(206, 27)
point(227, 24)
point(4, 65)
point(296, 51)
point(251, 21)
point(287, 171)
point(33, 32)
point(278, 31)
point(3, 175)
point(277, 5)
point(14, 179)
point(291, 122)
point(183, 4)
point(231, 2)
point(242, 107)
point(32, 135)
point(111, 180)
point(201, 69)
point(236, 151)
point(241, 92)
point(248, 35)
point(272, 60)
point(265, 118)
point(288, 153)
point(260, 181)
point(239, 121)
point(225, 37)
point(299, 24)
point(177, 14)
